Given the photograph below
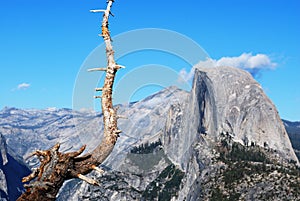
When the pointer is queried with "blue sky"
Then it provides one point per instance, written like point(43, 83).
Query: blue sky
point(43, 44)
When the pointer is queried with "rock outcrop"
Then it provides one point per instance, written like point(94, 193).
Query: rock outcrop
point(293, 130)
point(236, 103)
point(12, 170)
point(223, 101)
point(226, 100)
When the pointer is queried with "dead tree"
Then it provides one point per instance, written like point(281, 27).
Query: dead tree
point(57, 167)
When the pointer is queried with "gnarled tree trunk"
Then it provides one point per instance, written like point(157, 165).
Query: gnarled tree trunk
point(57, 167)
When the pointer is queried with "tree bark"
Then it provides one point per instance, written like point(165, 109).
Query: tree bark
point(57, 167)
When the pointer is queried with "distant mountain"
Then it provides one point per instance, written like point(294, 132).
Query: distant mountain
point(28, 130)
point(222, 141)
point(12, 170)
point(293, 129)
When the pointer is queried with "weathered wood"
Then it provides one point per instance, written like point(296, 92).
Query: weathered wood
point(88, 180)
point(98, 89)
point(57, 167)
point(96, 69)
point(103, 150)
point(97, 11)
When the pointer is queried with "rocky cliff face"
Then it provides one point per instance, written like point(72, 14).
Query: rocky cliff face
point(223, 100)
point(238, 105)
point(12, 170)
point(293, 130)
point(227, 100)
point(223, 135)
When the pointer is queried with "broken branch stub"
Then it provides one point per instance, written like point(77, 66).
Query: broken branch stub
point(57, 167)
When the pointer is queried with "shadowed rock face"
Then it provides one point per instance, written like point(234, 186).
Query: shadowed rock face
point(293, 130)
point(11, 172)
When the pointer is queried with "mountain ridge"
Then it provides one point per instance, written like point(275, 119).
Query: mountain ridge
point(172, 141)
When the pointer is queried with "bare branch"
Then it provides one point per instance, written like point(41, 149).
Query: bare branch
point(119, 66)
point(97, 11)
point(88, 180)
point(30, 177)
point(122, 117)
point(99, 170)
point(98, 89)
point(97, 69)
point(76, 153)
point(111, 14)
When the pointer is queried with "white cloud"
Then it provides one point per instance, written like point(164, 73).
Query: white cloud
point(23, 86)
point(246, 61)
point(185, 76)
